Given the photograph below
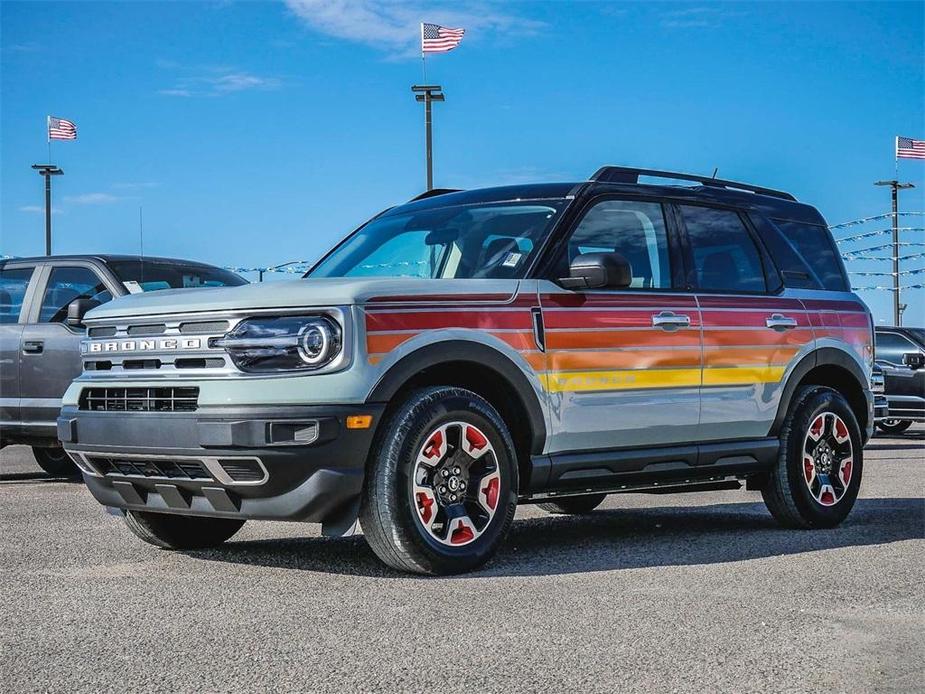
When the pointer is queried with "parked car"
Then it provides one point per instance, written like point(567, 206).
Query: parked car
point(900, 355)
point(40, 346)
point(470, 351)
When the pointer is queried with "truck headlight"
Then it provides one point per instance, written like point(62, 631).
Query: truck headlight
point(283, 343)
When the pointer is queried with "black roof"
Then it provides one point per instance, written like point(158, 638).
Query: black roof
point(106, 258)
point(772, 203)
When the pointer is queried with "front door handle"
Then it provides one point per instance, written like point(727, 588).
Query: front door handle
point(33, 347)
point(779, 321)
point(668, 320)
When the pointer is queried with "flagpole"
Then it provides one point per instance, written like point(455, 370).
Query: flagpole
point(48, 135)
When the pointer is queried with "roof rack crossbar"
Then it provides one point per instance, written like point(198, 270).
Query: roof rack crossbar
point(625, 174)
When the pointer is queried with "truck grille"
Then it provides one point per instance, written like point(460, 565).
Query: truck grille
point(182, 469)
point(156, 399)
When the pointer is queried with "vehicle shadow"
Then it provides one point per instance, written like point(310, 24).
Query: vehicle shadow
point(33, 477)
point(609, 540)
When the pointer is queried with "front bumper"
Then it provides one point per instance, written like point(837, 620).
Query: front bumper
point(293, 463)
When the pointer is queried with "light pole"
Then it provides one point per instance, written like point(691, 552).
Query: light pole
point(47, 170)
point(895, 187)
point(428, 93)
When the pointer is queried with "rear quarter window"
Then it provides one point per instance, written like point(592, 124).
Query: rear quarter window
point(817, 249)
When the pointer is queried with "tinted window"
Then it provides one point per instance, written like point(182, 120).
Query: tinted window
point(66, 284)
point(150, 275)
point(635, 230)
point(491, 240)
point(815, 245)
point(13, 285)
point(892, 346)
point(725, 257)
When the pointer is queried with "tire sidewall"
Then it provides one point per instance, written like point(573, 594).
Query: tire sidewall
point(408, 436)
point(824, 400)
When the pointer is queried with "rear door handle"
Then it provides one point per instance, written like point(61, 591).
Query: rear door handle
point(668, 320)
point(33, 347)
point(779, 321)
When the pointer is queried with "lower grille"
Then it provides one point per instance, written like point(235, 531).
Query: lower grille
point(159, 399)
point(165, 468)
point(243, 470)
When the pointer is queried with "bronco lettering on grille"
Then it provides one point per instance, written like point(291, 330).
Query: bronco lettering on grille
point(164, 344)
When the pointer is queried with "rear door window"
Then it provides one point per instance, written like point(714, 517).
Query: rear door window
point(724, 255)
point(13, 285)
point(814, 244)
point(67, 284)
point(892, 346)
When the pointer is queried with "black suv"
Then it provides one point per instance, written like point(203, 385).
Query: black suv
point(900, 354)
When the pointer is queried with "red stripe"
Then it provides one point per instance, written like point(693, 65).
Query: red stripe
point(603, 319)
point(618, 300)
point(434, 320)
point(752, 302)
point(750, 319)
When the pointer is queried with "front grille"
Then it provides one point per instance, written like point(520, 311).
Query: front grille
point(157, 399)
point(150, 467)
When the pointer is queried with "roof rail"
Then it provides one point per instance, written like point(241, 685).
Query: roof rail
point(624, 174)
point(433, 192)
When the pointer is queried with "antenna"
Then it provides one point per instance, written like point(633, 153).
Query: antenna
point(141, 240)
point(715, 171)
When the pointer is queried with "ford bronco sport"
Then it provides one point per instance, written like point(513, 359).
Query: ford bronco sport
point(470, 351)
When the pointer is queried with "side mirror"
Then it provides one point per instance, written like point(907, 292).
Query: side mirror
point(914, 360)
point(77, 309)
point(598, 271)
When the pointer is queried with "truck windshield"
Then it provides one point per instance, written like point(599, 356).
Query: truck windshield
point(151, 275)
point(486, 240)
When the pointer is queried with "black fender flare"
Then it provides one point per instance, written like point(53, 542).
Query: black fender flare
point(481, 355)
point(824, 356)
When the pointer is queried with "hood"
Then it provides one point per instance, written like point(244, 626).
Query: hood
point(299, 293)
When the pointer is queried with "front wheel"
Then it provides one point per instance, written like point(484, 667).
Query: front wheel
point(55, 461)
point(441, 490)
point(894, 426)
point(169, 531)
point(816, 479)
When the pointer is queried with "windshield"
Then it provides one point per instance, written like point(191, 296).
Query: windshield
point(151, 275)
point(486, 240)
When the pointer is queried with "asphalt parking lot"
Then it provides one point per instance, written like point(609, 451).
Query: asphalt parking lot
point(698, 592)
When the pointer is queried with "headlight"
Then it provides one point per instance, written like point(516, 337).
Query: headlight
point(283, 343)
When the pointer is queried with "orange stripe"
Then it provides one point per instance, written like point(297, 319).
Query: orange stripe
point(579, 361)
point(758, 336)
point(379, 343)
point(622, 338)
point(726, 356)
point(386, 343)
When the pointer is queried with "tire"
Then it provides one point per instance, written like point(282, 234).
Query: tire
point(818, 489)
point(574, 505)
point(895, 426)
point(169, 531)
point(406, 513)
point(56, 462)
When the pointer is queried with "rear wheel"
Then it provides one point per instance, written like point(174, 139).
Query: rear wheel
point(574, 504)
point(55, 462)
point(441, 490)
point(816, 479)
point(894, 426)
point(169, 531)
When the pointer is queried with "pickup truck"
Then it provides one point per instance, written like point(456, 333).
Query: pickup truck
point(41, 300)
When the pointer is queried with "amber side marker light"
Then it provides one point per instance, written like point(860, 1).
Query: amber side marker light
point(359, 421)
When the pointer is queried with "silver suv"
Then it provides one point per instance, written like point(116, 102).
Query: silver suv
point(467, 352)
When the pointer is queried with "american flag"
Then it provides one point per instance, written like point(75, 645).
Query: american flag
point(438, 39)
point(907, 148)
point(60, 129)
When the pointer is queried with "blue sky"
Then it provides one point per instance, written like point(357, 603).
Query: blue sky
point(256, 133)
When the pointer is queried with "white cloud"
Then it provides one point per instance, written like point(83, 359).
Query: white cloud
point(37, 209)
point(395, 27)
point(92, 199)
point(217, 81)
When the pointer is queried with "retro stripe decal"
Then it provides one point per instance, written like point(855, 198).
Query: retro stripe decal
point(601, 342)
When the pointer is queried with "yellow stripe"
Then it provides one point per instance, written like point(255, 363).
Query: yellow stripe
point(560, 381)
point(743, 375)
point(583, 381)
